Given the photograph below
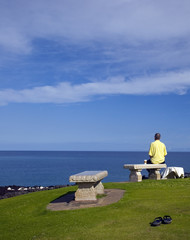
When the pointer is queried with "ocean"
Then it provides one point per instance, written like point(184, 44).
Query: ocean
point(48, 168)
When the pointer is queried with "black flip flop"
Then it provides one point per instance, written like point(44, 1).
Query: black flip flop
point(157, 221)
point(166, 219)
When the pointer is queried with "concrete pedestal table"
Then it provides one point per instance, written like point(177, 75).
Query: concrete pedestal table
point(89, 185)
point(135, 175)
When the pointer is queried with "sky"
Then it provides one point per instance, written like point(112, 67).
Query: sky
point(89, 75)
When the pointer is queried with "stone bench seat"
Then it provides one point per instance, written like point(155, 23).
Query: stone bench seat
point(135, 174)
point(89, 185)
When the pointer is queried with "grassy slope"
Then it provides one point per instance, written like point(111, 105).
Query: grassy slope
point(26, 217)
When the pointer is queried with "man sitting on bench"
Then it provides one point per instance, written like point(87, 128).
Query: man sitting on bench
point(157, 151)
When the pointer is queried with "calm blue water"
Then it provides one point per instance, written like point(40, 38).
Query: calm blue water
point(29, 168)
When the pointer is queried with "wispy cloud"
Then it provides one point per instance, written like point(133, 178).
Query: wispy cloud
point(177, 83)
point(143, 41)
point(129, 21)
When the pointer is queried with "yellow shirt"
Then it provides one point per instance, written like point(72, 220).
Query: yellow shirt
point(157, 152)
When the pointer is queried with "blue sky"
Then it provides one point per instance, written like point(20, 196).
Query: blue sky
point(94, 75)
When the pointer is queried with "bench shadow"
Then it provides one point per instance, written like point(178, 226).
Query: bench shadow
point(67, 201)
point(65, 198)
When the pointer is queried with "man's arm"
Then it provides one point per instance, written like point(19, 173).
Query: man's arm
point(164, 149)
point(150, 151)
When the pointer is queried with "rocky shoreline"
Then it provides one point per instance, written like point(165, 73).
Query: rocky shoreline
point(13, 190)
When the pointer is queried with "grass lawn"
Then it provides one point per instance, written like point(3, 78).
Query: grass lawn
point(25, 217)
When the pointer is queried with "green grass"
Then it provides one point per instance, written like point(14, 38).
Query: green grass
point(26, 217)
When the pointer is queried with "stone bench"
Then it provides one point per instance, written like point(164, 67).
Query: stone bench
point(89, 185)
point(135, 175)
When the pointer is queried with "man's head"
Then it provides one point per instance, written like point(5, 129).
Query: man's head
point(157, 136)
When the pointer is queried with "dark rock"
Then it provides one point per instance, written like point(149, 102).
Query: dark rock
point(13, 190)
point(187, 175)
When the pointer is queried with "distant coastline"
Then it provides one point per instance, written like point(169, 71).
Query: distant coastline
point(13, 190)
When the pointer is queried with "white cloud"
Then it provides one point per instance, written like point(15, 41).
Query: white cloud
point(83, 20)
point(177, 83)
point(134, 37)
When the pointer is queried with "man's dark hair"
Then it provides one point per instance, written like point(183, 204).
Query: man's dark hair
point(157, 136)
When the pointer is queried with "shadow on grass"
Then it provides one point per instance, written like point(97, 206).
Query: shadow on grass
point(65, 198)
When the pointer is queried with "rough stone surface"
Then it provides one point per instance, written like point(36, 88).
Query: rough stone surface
point(144, 166)
point(88, 176)
point(67, 202)
point(135, 175)
point(85, 192)
point(154, 174)
point(99, 188)
point(89, 184)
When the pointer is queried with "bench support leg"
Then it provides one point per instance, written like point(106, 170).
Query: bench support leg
point(154, 174)
point(99, 188)
point(85, 192)
point(135, 175)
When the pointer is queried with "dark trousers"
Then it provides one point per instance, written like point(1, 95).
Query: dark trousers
point(149, 162)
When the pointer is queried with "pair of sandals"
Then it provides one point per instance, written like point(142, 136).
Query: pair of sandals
point(157, 221)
